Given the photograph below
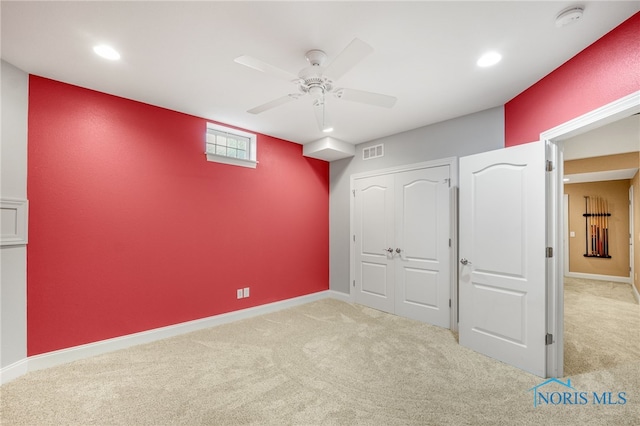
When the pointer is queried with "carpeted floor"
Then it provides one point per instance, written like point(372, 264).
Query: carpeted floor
point(323, 363)
point(601, 325)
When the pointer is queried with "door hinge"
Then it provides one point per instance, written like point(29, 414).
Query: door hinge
point(548, 339)
point(448, 182)
point(549, 166)
point(354, 283)
point(354, 238)
point(449, 242)
point(354, 192)
point(449, 302)
point(549, 252)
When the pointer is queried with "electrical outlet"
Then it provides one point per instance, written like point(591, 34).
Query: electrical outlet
point(239, 293)
point(246, 292)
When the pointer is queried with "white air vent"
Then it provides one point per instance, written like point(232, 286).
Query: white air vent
point(373, 152)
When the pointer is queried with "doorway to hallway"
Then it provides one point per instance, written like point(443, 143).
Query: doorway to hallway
point(594, 283)
point(557, 229)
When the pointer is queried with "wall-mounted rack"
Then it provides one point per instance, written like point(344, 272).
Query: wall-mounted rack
point(596, 218)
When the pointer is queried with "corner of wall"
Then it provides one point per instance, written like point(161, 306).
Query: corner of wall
point(13, 282)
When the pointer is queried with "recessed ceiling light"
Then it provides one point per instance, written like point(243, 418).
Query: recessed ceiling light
point(328, 129)
point(488, 59)
point(106, 52)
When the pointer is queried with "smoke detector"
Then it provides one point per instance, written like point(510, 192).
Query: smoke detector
point(569, 16)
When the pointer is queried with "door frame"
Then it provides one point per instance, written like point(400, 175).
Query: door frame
point(452, 162)
point(566, 235)
point(554, 141)
point(632, 233)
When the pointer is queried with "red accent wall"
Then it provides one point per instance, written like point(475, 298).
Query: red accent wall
point(130, 228)
point(607, 70)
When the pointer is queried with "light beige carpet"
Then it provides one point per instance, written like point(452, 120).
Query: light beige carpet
point(602, 325)
point(324, 363)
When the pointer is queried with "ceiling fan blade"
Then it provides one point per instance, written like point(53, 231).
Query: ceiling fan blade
point(363, 97)
point(356, 51)
point(259, 65)
point(319, 107)
point(274, 103)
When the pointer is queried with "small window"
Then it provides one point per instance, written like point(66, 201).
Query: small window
point(231, 146)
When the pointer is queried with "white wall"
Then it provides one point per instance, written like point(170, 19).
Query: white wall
point(471, 134)
point(13, 184)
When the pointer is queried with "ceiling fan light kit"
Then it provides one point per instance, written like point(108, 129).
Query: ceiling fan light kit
point(316, 91)
point(317, 81)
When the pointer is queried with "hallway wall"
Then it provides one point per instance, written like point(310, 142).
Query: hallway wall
point(616, 192)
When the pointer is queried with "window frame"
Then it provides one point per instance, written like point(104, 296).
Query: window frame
point(252, 149)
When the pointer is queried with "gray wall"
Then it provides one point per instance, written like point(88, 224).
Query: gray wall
point(13, 184)
point(471, 134)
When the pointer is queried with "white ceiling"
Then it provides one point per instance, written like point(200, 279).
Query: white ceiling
point(179, 55)
point(619, 137)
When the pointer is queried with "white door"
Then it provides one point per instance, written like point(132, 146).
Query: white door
point(374, 242)
point(422, 245)
point(502, 274)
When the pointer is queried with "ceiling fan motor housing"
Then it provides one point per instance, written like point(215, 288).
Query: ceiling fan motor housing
point(316, 57)
point(313, 82)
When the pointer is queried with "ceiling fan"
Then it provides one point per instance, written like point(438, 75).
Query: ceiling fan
point(318, 81)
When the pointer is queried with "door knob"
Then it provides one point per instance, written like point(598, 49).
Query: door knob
point(398, 250)
point(390, 250)
point(465, 261)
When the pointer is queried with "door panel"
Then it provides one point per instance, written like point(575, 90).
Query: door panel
point(374, 232)
point(422, 235)
point(502, 235)
point(509, 325)
point(419, 216)
point(420, 287)
point(502, 256)
point(375, 279)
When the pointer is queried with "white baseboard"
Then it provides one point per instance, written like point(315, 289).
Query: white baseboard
point(63, 356)
point(611, 278)
point(13, 371)
point(635, 293)
point(338, 295)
